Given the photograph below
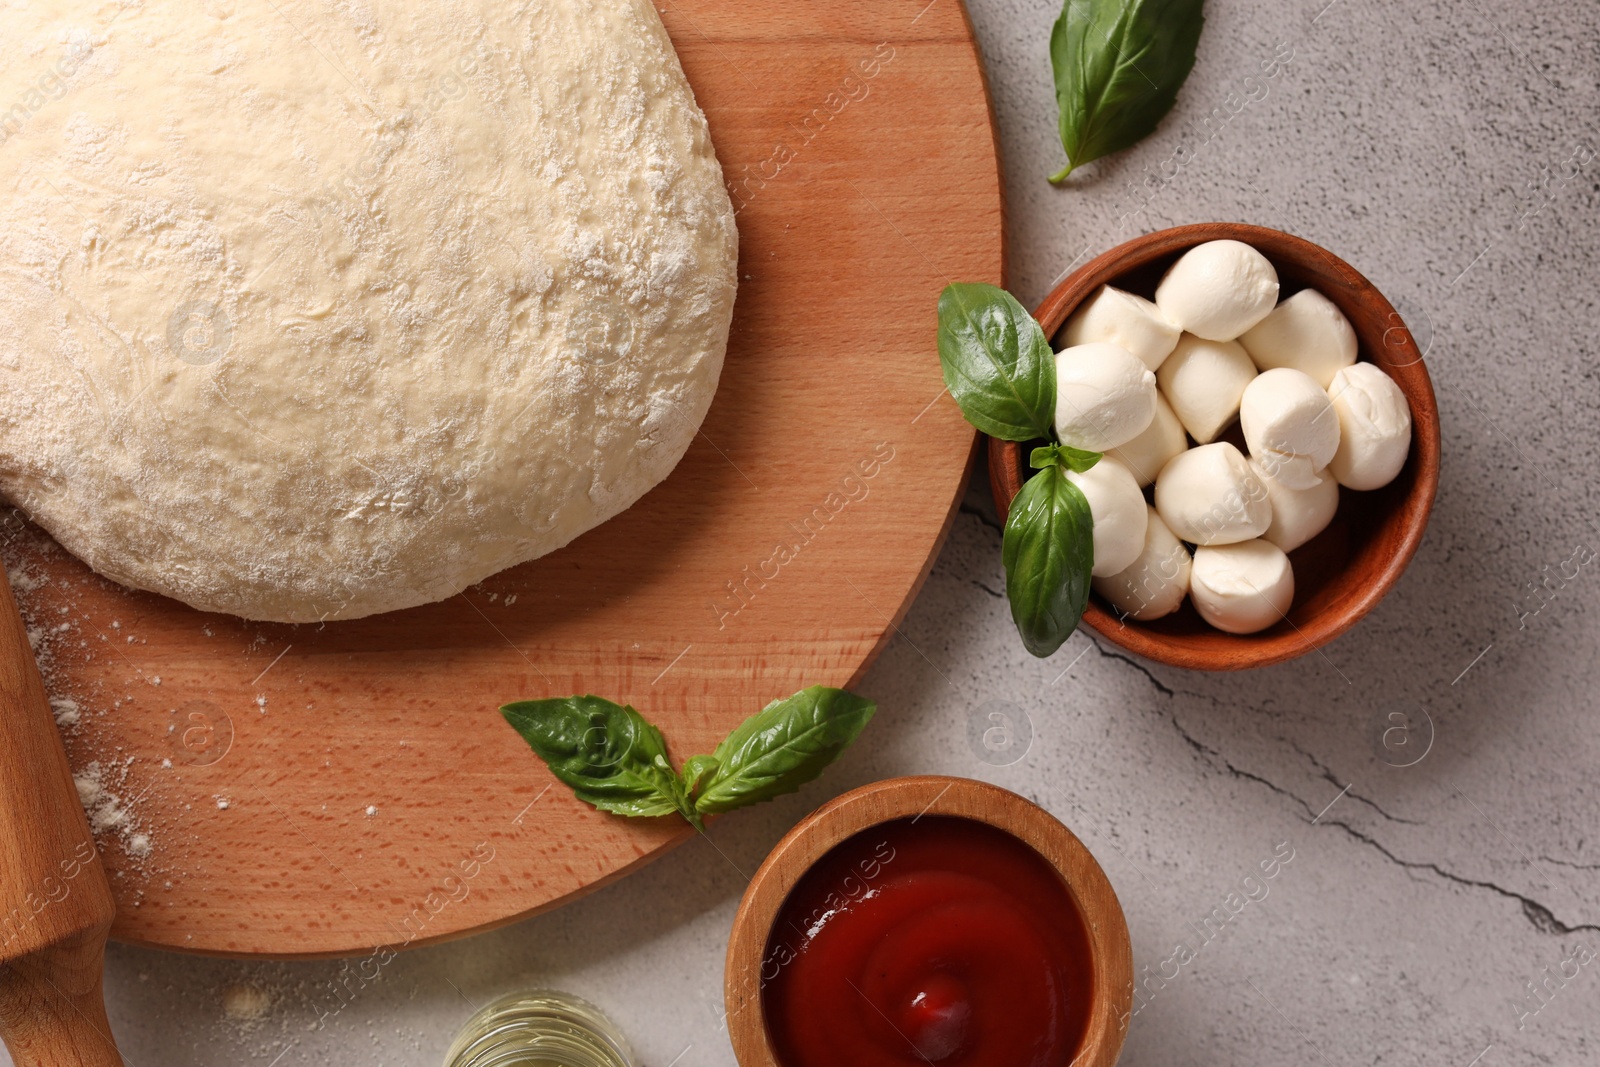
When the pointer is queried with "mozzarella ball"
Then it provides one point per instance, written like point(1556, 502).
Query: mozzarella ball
point(1210, 496)
point(1374, 427)
point(1123, 319)
point(1287, 469)
point(1104, 396)
point(1298, 514)
point(1218, 290)
point(1154, 584)
point(1241, 588)
point(1203, 381)
point(1146, 454)
point(1120, 516)
point(1285, 411)
point(1306, 333)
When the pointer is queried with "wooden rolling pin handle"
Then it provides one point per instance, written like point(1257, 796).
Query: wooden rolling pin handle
point(52, 1011)
point(55, 903)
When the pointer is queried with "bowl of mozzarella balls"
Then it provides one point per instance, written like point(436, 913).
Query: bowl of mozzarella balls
point(1269, 434)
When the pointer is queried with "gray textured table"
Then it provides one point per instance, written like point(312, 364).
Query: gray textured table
point(1432, 144)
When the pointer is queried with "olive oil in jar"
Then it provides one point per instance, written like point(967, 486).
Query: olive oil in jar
point(539, 1029)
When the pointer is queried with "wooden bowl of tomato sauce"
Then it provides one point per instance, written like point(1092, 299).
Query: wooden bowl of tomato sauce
point(929, 920)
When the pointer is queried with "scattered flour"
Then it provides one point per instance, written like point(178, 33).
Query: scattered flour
point(109, 814)
point(246, 1003)
point(66, 711)
point(88, 784)
point(56, 625)
point(23, 581)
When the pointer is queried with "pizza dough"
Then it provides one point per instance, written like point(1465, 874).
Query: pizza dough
point(310, 311)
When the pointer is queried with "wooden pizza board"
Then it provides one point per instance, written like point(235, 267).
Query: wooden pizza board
point(298, 791)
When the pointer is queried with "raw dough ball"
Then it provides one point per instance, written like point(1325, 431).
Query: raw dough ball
point(1123, 319)
point(1298, 514)
point(1146, 454)
point(1210, 496)
point(1155, 583)
point(1204, 381)
point(304, 331)
point(1374, 427)
point(1307, 333)
point(1286, 415)
point(1104, 396)
point(1241, 588)
point(1119, 513)
point(1218, 290)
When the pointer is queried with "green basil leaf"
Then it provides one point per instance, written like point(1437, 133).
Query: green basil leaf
point(997, 362)
point(1118, 67)
point(1074, 459)
point(697, 774)
point(1048, 552)
point(607, 753)
point(782, 747)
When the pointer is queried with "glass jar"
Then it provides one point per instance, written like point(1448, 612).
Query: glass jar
point(539, 1029)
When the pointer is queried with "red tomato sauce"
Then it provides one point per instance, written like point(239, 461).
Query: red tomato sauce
point(932, 940)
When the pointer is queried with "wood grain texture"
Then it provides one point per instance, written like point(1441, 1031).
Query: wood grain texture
point(52, 1009)
point(55, 903)
point(1343, 572)
point(895, 798)
point(857, 140)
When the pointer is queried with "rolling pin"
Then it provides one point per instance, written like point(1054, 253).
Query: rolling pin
point(55, 902)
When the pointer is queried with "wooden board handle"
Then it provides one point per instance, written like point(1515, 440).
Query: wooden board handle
point(55, 902)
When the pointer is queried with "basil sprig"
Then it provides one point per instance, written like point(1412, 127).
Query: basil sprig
point(1002, 373)
point(1118, 67)
point(613, 758)
point(1074, 459)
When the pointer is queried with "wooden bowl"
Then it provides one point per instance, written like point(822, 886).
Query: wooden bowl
point(1342, 573)
point(1111, 955)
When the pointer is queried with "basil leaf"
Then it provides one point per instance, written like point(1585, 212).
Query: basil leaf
point(1048, 552)
point(997, 362)
point(1118, 67)
point(697, 774)
point(1074, 459)
point(607, 753)
point(783, 746)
